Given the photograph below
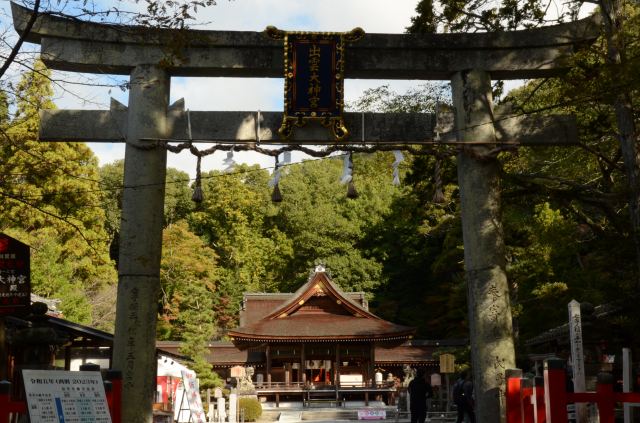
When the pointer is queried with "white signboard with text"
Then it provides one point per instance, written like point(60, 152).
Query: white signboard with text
point(577, 357)
point(193, 397)
point(58, 396)
point(372, 414)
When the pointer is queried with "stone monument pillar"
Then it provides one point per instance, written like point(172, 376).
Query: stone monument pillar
point(233, 407)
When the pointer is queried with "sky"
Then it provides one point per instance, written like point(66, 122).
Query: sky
point(250, 94)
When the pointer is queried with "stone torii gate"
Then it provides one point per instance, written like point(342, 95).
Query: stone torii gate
point(468, 60)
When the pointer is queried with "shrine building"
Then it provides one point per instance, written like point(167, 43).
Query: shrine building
point(322, 342)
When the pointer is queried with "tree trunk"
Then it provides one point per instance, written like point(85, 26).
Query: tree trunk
point(623, 106)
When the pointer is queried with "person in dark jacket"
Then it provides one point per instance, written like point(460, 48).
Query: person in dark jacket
point(463, 398)
point(419, 391)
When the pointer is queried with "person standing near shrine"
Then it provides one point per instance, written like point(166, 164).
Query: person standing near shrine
point(463, 398)
point(419, 391)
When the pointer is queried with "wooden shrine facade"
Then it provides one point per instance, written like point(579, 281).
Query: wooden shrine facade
point(320, 340)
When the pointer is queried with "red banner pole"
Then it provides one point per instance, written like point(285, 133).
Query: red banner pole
point(115, 405)
point(5, 393)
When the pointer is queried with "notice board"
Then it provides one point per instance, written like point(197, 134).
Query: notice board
point(58, 396)
point(192, 393)
point(15, 274)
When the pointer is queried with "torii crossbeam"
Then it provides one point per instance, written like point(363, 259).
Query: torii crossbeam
point(468, 60)
point(254, 127)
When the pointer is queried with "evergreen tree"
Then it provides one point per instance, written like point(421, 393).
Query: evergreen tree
point(252, 254)
point(50, 195)
point(189, 279)
point(326, 227)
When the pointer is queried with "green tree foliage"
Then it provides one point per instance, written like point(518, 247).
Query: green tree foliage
point(189, 278)
point(327, 227)
point(232, 221)
point(49, 193)
point(177, 201)
point(564, 208)
point(419, 241)
point(487, 15)
point(250, 409)
point(575, 201)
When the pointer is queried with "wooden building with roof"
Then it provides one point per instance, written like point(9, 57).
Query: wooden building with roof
point(319, 339)
point(319, 334)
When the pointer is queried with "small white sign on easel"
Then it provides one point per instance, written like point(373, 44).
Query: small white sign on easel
point(58, 396)
point(192, 393)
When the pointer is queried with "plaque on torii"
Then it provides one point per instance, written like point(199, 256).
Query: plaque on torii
point(469, 61)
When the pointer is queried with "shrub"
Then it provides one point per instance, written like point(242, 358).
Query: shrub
point(251, 408)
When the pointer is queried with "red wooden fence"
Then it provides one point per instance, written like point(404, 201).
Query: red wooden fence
point(545, 401)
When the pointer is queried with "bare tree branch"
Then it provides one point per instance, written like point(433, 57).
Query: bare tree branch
point(23, 36)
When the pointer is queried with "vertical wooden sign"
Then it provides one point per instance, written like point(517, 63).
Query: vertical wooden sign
point(15, 276)
point(577, 356)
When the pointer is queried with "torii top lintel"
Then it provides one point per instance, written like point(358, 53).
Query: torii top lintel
point(73, 45)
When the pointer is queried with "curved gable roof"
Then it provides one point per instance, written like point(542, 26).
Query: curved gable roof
point(319, 285)
point(319, 310)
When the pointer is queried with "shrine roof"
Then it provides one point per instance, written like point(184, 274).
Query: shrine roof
point(258, 305)
point(220, 353)
point(320, 311)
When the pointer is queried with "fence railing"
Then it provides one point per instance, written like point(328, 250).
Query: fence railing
point(545, 400)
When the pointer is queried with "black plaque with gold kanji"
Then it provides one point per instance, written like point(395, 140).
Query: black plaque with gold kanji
point(314, 79)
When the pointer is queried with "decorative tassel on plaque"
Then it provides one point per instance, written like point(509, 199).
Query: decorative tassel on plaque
point(198, 196)
point(438, 194)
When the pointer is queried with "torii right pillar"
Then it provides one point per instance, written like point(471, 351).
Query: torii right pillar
point(492, 349)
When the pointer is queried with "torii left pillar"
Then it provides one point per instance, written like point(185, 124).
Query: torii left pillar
point(134, 349)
